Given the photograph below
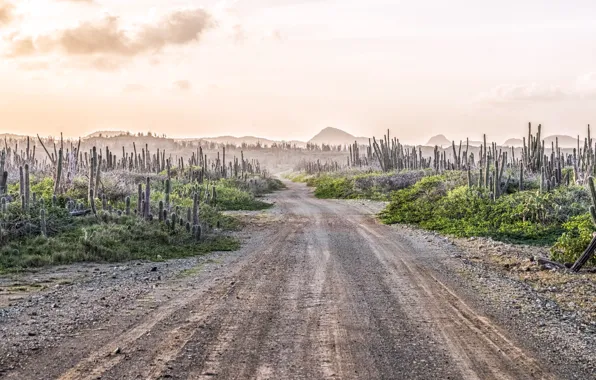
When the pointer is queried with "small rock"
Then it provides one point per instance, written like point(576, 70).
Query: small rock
point(117, 351)
point(154, 269)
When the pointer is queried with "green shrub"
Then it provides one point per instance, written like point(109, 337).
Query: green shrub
point(521, 217)
point(574, 241)
point(125, 238)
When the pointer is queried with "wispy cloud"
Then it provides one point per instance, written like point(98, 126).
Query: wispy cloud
point(134, 88)
point(78, 1)
point(108, 36)
point(182, 85)
point(523, 93)
point(7, 14)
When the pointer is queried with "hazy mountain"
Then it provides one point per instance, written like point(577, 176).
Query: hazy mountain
point(439, 140)
point(105, 134)
point(250, 140)
point(564, 141)
point(11, 136)
point(513, 142)
point(336, 136)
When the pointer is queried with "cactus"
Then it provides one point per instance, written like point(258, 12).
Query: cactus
point(589, 252)
point(161, 210)
point(174, 220)
point(147, 209)
point(27, 187)
point(188, 227)
point(92, 202)
point(58, 172)
point(22, 184)
point(93, 162)
point(3, 204)
point(3, 179)
point(127, 205)
point(195, 209)
point(167, 193)
point(97, 174)
point(521, 177)
point(197, 232)
point(140, 199)
point(42, 221)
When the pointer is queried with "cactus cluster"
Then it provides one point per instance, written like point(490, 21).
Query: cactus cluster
point(589, 252)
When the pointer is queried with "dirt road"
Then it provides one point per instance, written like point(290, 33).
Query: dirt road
point(326, 293)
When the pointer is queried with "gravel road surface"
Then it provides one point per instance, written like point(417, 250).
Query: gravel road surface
point(319, 291)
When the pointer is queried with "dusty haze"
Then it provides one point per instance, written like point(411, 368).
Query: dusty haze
point(287, 69)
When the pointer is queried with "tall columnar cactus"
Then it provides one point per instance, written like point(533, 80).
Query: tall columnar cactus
point(92, 201)
point(127, 206)
point(167, 193)
point(161, 209)
point(196, 232)
point(58, 172)
point(22, 184)
point(174, 220)
point(42, 222)
point(147, 210)
point(195, 209)
point(3, 179)
point(140, 199)
point(97, 174)
point(589, 252)
point(27, 187)
point(92, 169)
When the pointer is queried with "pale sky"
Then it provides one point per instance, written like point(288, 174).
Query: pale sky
point(285, 69)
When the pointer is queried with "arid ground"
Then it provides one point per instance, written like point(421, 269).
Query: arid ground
point(320, 290)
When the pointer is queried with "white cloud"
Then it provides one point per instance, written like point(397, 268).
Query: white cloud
point(524, 93)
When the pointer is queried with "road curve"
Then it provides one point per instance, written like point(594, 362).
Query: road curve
point(328, 294)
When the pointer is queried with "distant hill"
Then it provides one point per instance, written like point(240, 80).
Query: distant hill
point(439, 140)
point(250, 140)
point(513, 142)
point(336, 136)
point(564, 141)
point(11, 136)
point(105, 134)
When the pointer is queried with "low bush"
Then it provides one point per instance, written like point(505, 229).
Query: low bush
point(124, 238)
point(521, 217)
point(575, 239)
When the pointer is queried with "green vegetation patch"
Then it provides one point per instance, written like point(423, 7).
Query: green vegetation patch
point(528, 217)
point(124, 238)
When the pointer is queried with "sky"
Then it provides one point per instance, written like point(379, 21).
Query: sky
point(285, 69)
